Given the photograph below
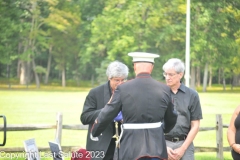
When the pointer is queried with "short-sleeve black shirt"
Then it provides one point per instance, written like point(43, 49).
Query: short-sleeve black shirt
point(187, 104)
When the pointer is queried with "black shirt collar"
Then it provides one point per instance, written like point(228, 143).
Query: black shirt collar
point(182, 87)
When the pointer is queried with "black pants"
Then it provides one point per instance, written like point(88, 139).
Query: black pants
point(235, 155)
point(110, 152)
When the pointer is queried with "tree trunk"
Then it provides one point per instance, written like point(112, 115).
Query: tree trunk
point(63, 77)
point(198, 77)
point(219, 76)
point(192, 82)
point(232, 80)
point(29, 68)
point(19, 61)
point(210, 77)
point(48, 65)
point(236, 80)
point(35, 74)
point(78, 81)
point(224, 81)
point(19, 69)
point(8, 75)
point(77, 74)
point(23, 73)
point(8, 71)
point(77, 78)
point(92, 80)
point(24, 70)
point(205, 76)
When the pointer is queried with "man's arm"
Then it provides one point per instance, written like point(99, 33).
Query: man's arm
point(170, 118)
point(90, 111)
point(107, 114)
point(190, 137)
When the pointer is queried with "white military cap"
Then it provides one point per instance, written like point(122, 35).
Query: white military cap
point(143, 56)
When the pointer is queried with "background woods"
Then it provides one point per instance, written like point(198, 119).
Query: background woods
point(43, 41)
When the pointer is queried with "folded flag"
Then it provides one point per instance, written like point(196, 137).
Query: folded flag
point(119, 117)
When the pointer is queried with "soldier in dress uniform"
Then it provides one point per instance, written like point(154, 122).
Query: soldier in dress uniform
point(147, 112)
point(103, 147)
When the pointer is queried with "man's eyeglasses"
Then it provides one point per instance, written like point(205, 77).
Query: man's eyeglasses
point(169, 74)
point(117, 80)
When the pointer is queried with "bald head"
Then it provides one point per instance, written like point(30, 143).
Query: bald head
point(141, 67)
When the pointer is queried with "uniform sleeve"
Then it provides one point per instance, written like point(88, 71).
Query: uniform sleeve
point(170, 118)
point(107, 114)
point(90, 111)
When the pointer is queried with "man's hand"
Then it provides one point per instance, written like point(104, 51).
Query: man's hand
point(175, 154)
point(179, 153)
point(171, 154)
point(236, 148)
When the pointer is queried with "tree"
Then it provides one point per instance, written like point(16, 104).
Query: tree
point(9, 35)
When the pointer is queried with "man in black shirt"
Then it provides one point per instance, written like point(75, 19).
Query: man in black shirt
point(186, 101)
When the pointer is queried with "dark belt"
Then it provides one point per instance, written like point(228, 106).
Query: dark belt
point(175, 139)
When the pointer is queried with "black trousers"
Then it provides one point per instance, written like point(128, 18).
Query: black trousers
point(110, 152)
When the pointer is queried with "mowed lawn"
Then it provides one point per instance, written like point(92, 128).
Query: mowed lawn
point(41, 107)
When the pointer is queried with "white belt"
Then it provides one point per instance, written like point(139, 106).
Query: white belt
point(141, 125)
point(137, 126)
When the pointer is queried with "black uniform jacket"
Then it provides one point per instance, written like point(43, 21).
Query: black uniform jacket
point(142, 100)
point(95, 101)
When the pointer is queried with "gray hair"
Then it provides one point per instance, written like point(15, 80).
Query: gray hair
point(117, 69)
point(174, 63)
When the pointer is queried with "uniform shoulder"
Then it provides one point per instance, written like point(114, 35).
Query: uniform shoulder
point(127, 82)
point(163, 84)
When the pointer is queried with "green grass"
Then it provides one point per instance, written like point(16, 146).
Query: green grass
point(211, 156)
point(219, 89)
point(41, 106)
point(212, 104)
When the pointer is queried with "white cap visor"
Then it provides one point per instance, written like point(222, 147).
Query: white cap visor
point(143, 57)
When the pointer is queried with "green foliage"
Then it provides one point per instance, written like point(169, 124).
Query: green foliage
point(82, 34)
point(9, 27)
point(101, 72)
point(40, 69)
